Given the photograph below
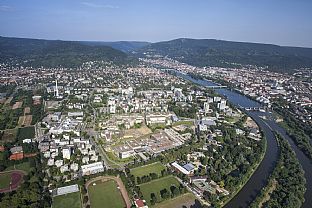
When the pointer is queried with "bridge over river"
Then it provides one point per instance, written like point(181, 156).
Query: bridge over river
point(260, 177)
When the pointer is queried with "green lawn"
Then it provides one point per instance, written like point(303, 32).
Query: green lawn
point(186, 123)
point(156, 186)
point(25, 166)
point(71, 200)
point(5, 180)
point(105, 193)
point(26, 133)
point(156, 167)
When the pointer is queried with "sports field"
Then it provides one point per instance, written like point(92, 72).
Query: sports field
point(105, 193)
point(5, 179)
point(71, 200)
point(147, 169)
point(10, 181)
point(156, 186)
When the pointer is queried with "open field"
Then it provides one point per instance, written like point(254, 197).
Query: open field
point(25, 120)
point(17, 105)
point(105, 193)
point(26, 133)
point(186, 123)
point(156, 167)
point(156, 186)
point(25, 166)
point(71, 200)
point(5, 179)
point(177, 202)
point(9, 135)
point(136, 133)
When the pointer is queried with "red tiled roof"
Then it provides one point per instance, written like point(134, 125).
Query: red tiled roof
point(17, 156)
point(139, 203)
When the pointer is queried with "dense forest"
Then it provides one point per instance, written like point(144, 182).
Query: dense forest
point(210, 52)
point(55, 53)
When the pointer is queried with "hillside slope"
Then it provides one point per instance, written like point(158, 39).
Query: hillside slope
point(210, 52)
point(53, 53)
point(125, 46)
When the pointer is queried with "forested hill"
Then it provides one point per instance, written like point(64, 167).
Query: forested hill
point(210, 52)
point(125, 46)
point(54, 53)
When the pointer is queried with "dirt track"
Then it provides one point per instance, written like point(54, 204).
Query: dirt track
point(16, 180)
point(122, 188)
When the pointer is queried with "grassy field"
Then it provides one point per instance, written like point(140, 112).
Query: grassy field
point(156, 186)
point(185, 199)
point(26, 133)
point(147, 169)
point(5, 180)
point(8, 136)
point(105, 193)
point(186, 123)
point(71, 200)
point(25, 166)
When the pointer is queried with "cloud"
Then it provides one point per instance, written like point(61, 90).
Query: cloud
point(5, 8)
point(105, 6)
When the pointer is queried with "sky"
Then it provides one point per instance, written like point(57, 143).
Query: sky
point(282, 22)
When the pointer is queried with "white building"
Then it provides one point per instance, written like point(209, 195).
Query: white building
point(64, 168)
point(92, 168)
point(222, 105)
point(206, 107)
point(66, 190)
point(66, 153)
point(58, 163)
point(74, 167)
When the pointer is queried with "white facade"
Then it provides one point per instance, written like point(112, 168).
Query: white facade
point(92, 168)
point(66, 153)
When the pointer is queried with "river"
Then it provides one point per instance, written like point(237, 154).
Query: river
point(260, 177)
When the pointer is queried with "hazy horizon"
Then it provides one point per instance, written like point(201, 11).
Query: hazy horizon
point(280, 22)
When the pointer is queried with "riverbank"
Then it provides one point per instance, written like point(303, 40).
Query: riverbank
point(261, 175)
point(249, 175)
point(286, 179)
